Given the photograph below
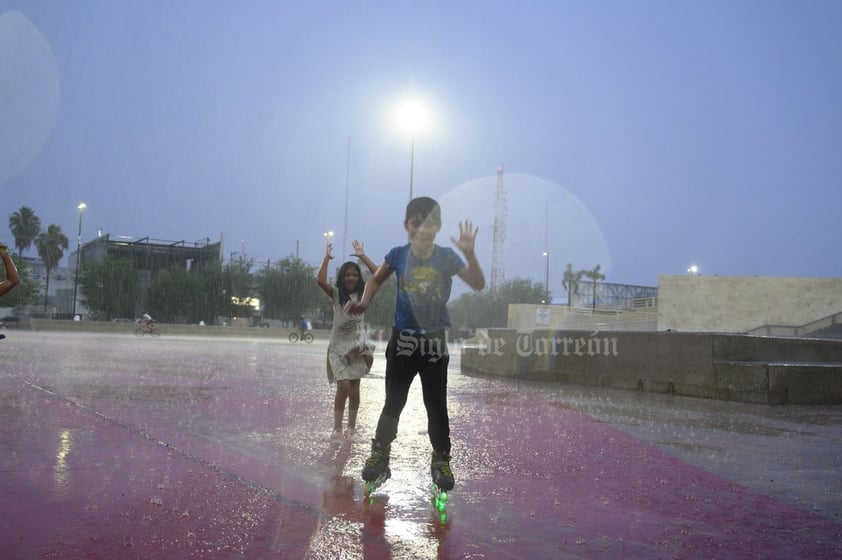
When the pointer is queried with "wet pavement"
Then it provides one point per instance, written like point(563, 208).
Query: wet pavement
point(113, 446)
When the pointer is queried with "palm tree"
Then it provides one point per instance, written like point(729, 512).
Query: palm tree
point(51, 245)
point(595, 275)
point(25, 226)
point(571, 282)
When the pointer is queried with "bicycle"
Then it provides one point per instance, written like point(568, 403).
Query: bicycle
point(306, 336)
point(151, 330)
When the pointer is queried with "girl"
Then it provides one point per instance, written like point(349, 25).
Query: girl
point(348, 357)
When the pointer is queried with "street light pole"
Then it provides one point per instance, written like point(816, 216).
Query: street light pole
point(81, 208)
point(411, 164)
point(412, 117)
point(328, 235)
point(547, 278)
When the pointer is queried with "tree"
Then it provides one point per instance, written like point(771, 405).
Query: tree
point(26, 292)
point(571, 282)
point(109, 287)
point(213, 302)
point(174, 295)
point(178, 295)
point(238, 288)
point(595, 275)
point(289, 289)
point(491, 308)
point(472, 310)
point(25, 226)
point(51, 245)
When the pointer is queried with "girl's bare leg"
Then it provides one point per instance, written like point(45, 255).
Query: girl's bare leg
point(339, 404)
point(353, 402)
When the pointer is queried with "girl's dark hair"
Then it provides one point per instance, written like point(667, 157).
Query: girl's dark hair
point(340, 282)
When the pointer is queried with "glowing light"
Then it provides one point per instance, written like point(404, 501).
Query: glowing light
point(412, 116)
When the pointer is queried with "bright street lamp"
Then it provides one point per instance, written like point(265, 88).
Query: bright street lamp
point(547, 278)
point(412, 117)
point(328, 235)
point(81, 208)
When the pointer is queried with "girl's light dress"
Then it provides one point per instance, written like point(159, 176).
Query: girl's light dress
point(348, 354)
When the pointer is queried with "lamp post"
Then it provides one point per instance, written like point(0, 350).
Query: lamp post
point(328, 235)
point(411, 163)
point(81, 208)
point(412, 117)
point(547, 277)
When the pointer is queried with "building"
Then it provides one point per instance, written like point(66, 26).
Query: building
point(150, 256)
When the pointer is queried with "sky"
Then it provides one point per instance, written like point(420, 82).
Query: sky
point(644, 137)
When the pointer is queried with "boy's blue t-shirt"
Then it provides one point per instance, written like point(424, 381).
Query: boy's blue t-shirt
point(423, 287)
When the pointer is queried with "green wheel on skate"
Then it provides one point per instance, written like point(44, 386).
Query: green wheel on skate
point(439, 498)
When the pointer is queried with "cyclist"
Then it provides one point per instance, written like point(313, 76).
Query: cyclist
point(147, 322)
point(303, 326)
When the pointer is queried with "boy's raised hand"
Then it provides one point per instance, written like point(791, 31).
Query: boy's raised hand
point(467, 237)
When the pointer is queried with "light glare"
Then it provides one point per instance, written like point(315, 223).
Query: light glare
point(412, 116)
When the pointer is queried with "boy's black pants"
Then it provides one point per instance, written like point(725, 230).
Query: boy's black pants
point(408, 354)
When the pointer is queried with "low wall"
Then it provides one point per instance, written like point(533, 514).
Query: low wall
point(166, 329)
point(710, 365)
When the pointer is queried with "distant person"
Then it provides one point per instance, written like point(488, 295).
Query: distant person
point(418, 344)
point(349, 357)
point(147, 322)
point(12, 278)
point(303, 326)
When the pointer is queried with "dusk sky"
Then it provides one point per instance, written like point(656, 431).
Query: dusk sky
point(643, 136)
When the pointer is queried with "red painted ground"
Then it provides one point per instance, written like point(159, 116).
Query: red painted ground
point(115, 447)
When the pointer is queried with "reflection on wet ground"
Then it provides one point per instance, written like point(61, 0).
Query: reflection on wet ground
point(113, 446)
point(793, 453)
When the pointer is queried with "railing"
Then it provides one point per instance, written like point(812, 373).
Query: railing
point(799, 330)
point(611, 319)
point(645, 302)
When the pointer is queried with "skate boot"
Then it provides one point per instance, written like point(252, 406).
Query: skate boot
point(442, 480)
point(376, 470)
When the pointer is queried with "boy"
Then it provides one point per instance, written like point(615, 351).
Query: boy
point(424, 273)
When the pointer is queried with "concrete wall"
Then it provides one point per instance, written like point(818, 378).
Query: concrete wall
point(722, 366)
point(532, 316)
point(743, 303)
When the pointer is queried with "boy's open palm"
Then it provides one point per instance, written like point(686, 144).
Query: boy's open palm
point(467, 237)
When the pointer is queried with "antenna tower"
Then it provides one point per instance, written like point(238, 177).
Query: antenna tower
point(498, 271)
